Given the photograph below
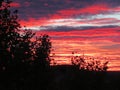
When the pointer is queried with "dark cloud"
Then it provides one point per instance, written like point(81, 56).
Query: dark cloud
point(115, 46)
point(71, 28)
point(45, 8)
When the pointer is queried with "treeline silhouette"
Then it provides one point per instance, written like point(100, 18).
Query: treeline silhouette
point(25, 61)
point(22, 61)
point(89, 64)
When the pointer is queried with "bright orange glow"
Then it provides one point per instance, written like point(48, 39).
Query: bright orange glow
point(86, 43)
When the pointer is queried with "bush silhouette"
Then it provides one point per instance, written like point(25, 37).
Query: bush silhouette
point(93, 65)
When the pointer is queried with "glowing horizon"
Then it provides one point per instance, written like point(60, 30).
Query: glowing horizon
point(90, 26)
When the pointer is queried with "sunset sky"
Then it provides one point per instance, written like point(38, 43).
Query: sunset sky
point(91, 27)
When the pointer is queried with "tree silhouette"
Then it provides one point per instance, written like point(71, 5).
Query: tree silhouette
point(19, 55)
point(9, 28)
point(93, 65)
point(42, 50)
point(18, 47)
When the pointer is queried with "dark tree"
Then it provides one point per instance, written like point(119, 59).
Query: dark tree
point(16, 47)
point(9, 28)
point(42, 51)
point(89, 65)
point(19, 55)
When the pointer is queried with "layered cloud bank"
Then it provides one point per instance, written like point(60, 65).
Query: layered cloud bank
point(91, 27)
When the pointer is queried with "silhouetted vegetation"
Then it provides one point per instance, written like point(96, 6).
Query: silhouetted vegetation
point(21, 59)
point(25, 63)
point(89, 65)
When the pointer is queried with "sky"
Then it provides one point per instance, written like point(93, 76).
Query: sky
point(89, 27)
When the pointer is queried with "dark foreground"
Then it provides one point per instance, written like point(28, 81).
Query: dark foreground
point(59, 78)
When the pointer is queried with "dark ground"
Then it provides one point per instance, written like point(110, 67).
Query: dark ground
point(70, 78)
point(63, 77)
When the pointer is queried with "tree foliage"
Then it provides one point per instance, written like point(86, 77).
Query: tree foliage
point(23, 55)
point(8, 32)
point(89, 65)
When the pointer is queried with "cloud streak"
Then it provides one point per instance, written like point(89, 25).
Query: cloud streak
point(90, 25)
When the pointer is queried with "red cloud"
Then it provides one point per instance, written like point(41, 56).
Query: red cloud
point(87, 32)
point(117, 9)
point(15, 4)
point(33, 22)
point(68, 13)
point(94, 9)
